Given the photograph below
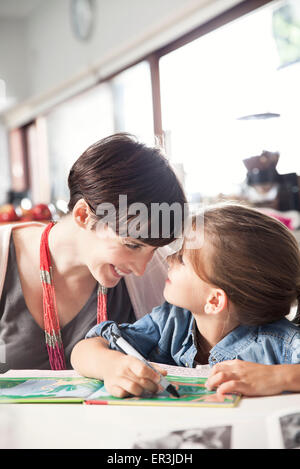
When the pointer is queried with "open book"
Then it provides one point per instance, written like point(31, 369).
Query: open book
point(57, 387)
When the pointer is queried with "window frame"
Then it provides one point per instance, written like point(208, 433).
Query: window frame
point(218, 21)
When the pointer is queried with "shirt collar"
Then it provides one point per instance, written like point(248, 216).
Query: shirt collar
point(233, 344)
point(191, 331)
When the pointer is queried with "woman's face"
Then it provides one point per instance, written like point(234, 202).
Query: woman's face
point(110, 257)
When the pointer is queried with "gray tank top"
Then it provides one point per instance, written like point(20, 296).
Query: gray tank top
point(22, 337)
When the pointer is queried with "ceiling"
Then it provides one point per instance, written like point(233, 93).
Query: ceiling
point(17, 8)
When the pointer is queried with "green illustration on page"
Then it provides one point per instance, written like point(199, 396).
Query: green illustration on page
point(192, 392)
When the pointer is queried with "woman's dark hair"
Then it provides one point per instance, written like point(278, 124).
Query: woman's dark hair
point(120, 165)
point(253, 257)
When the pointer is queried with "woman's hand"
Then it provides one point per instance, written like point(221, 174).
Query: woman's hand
point(128, 375)
point(247, 378)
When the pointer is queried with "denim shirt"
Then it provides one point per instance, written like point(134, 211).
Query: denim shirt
point(167, 335)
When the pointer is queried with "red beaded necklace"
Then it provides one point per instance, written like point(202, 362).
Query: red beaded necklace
point(51, 321)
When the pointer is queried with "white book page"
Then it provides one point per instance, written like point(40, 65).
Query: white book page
point(40, 374)
point(201, 371)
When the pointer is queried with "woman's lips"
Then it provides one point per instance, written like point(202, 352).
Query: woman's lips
point(115, 273)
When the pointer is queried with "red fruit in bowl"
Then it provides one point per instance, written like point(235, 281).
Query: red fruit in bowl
point(8, 213)
point(27, 217)
point(41, 212)
point(26, 214)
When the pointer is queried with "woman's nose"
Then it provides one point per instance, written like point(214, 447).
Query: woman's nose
point(140, 264)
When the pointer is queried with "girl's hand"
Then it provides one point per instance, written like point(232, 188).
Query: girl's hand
point(250, 379)
point(128, 375)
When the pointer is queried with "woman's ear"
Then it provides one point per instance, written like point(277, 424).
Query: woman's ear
point(216, 302)
point(82, 214)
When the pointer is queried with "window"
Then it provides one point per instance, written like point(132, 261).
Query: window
point(122, 104)
point(208, 85)
point(72, 127)
point(133, 102)
point(4, 173)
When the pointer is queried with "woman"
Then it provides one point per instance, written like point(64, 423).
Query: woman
point(56, 280)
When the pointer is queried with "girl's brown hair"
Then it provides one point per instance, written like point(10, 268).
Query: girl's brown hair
point(254, 258)
point(119, 164)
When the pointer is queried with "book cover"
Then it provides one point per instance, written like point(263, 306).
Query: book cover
point(91, 391)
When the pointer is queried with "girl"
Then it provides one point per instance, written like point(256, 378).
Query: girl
point(50, 275)
point(225, 300)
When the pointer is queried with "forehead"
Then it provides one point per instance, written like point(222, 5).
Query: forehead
point(201, 258)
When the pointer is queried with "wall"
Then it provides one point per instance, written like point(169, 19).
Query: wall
point(4, 167)
point(14, 68)
point(43, 63)
point(125, 30)
point(14, 71)
point(56, 55)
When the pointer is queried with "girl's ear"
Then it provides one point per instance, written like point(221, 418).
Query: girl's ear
point(216, 302)
point(82, 214)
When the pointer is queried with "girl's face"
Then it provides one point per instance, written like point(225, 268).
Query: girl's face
point(184, 288)
point(110, 257)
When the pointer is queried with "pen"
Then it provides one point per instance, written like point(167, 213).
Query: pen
point(125, 347)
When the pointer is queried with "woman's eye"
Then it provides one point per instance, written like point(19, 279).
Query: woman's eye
point(133, 246)
point(180, 258)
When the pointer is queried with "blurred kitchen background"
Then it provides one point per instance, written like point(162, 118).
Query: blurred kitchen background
point(215, 82)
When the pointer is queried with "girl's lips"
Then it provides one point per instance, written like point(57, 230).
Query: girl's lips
point(168, 280)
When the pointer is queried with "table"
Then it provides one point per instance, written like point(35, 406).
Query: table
point(68, 426)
